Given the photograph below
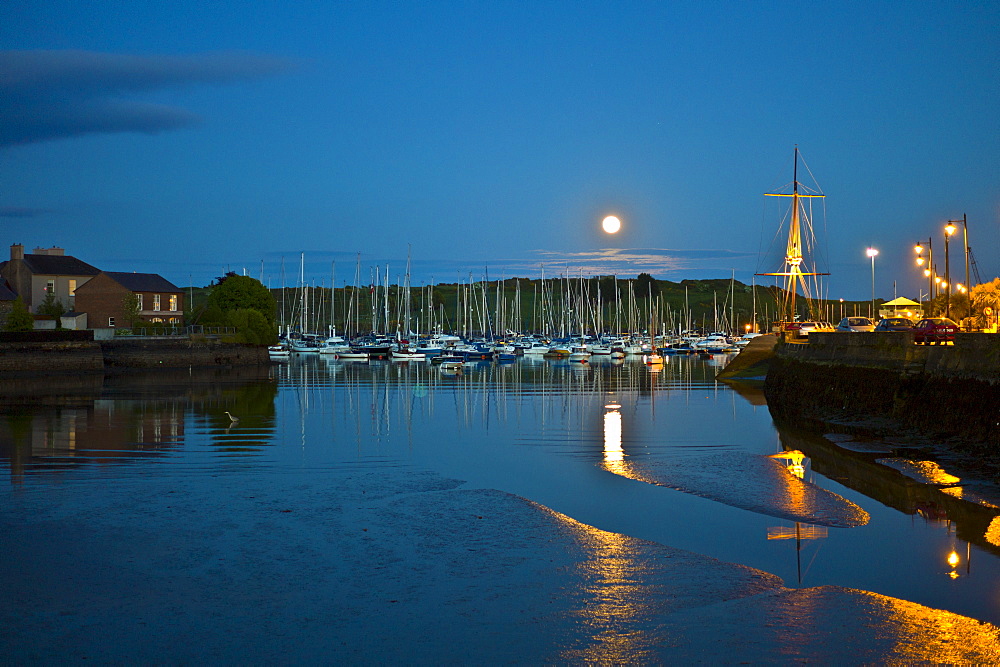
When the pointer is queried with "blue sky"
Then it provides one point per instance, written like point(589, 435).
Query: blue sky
point(188, 138)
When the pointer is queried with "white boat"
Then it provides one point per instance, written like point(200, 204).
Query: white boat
point(579, 353)
point(713, 342)
point(304, 346)
point(278, 352)
point(537, 348)
point(451, 364)
point(405, 353)
point(352, 355)
point(744, 340)
point(334, 345)
point(559, 350)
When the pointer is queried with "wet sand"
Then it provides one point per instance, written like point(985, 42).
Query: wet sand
point(395, 565)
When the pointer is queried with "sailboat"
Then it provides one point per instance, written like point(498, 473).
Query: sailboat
point(799, 265)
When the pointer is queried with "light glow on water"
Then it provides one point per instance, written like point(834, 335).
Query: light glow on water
point(581, 440)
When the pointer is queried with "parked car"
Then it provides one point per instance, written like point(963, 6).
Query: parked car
point(855, 324)
point(933, 330)
point(894, 324)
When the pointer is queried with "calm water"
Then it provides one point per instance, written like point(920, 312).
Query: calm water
point(539, 429)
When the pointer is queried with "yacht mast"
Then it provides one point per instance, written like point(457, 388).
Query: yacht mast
point(795, 260)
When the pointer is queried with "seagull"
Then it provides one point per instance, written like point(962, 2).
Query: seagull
point(232, 419)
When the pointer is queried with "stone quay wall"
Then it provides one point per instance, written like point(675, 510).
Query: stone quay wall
point(123, 354)
point(945, 393)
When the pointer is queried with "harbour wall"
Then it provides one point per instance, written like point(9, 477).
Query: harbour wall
point(882, 382)
point(71, 356)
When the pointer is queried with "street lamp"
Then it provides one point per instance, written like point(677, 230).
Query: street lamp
point(928, 272)
point(965, 244)
point(871, 252)
point(949, 229)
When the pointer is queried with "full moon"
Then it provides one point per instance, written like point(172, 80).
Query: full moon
point(611, 224)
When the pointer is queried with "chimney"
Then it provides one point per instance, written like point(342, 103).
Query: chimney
point(52, 252)
point(16, 251)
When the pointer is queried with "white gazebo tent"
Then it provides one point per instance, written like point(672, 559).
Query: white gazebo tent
point(901, 307)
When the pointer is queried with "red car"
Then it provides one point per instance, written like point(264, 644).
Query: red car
point(934, 330)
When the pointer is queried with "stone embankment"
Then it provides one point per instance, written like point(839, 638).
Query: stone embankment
point(883, 382)
point(72, 356)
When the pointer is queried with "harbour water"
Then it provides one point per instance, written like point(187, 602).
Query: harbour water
point(552, 432)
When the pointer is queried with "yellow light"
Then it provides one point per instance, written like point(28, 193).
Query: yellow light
point(993, 532)
point(927, 273)
point(611, 224)
point(949, 229)
point(871, 252)
point(614, 453)
point(920, 261)
point(747, 327)
point(918, 248)
point(953, 559)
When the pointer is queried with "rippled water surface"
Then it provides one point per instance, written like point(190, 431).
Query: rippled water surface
point(567, 436)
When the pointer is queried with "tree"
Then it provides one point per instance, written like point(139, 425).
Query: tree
point(986, 295)
point(243, 302)
point(130, 310)
point(221, 279)
point(252, 327)
point(243, 292)
point(20, 318)
point(51, 306)
point(646, 285)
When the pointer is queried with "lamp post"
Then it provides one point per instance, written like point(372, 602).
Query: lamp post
point(871, 252)
point(949, 229)
point(965, 244)
point(928, 272)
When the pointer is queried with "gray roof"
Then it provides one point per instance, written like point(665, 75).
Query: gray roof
point(59, 265)
point(6, 293)
point(142, 282)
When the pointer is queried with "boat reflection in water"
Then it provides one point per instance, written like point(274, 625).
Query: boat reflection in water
point(796, 462)
point(580, 439)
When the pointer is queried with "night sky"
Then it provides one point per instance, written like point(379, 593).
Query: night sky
point(489, 139)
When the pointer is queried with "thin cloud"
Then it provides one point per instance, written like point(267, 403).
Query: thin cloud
point(21, 212)
point(49, 95)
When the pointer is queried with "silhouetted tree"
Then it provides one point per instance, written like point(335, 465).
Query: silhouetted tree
point(19, 318)
point(51, 306)
point(243, 292)
point(646, 285)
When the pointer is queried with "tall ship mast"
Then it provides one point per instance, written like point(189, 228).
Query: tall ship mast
point(799, 265)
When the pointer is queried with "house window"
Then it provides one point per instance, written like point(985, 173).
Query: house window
point(138, 299)
point(111, 322)
point(156, 302)
point(173, 302)
point(72, 286)
point(50, 287)
point(157, 319)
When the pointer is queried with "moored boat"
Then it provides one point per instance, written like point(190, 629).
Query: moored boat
point(278, 352)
